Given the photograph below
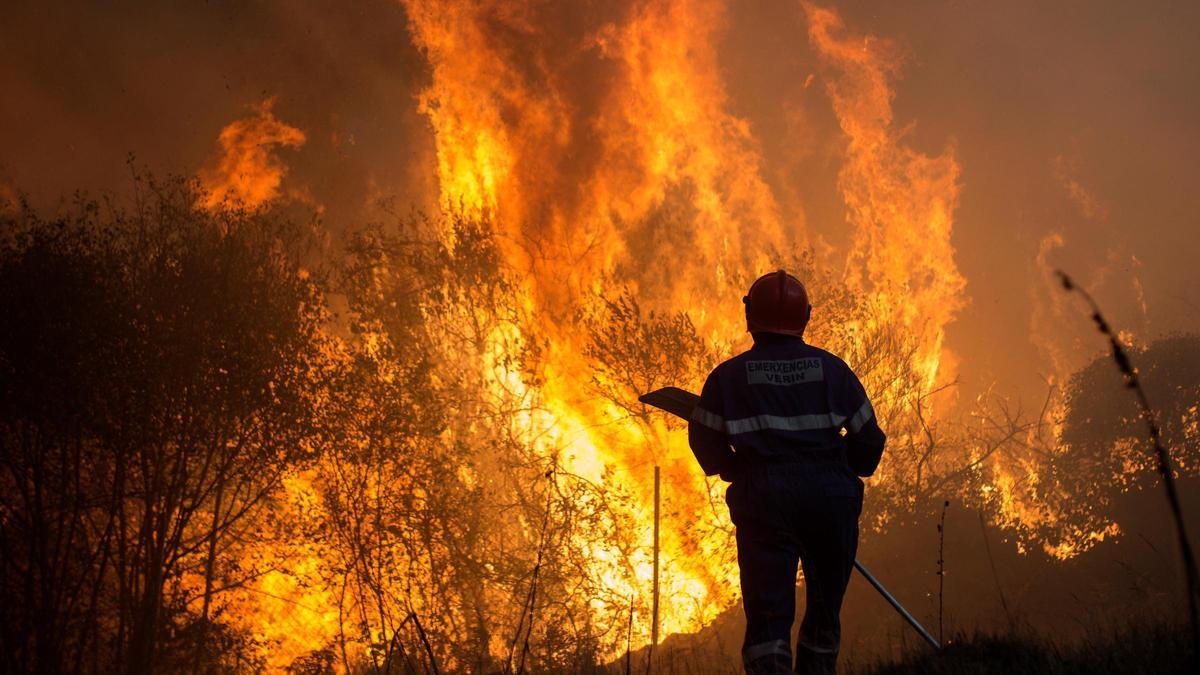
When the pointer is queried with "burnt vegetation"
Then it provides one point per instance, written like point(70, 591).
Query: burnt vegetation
point(199, 406)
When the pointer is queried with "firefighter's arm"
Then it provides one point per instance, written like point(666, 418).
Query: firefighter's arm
point(864, 439)
point(706, 432)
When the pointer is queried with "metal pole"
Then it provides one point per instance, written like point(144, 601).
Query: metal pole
point(629, 641)
point(654, 610)
point(912, 621)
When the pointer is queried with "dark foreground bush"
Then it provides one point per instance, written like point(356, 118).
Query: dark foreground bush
point(1157, 648)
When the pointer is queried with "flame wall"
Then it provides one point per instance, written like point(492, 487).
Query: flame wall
point(600, 142)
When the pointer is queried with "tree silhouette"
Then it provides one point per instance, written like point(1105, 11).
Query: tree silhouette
point(159, 366)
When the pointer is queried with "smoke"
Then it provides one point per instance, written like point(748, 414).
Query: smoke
point(675, 149)
point(87, 85)
point(1090, 206)
point(10, 202)
point(1015, 87)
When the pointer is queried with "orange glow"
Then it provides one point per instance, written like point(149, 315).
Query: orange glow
point(509, 136)
point(649, 184)
point(245, 169)
point(9, 201)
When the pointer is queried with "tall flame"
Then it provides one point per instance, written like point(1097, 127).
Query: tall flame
point(606, 154)
point(582, 148)
point(900, 201)
point(603, 153)
point(577, 138)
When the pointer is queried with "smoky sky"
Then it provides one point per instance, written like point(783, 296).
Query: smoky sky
point(1068, 118)
point(86, 84)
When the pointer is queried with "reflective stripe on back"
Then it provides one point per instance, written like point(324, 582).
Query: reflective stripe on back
point(779, 423)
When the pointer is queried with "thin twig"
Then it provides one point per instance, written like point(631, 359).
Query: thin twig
point(531, 599)
point(395, 643)
point(987, 547)
point(425, 642)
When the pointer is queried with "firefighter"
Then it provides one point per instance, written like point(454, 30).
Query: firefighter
point(790, 426)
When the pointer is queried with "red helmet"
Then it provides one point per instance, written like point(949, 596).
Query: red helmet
point(777, 303)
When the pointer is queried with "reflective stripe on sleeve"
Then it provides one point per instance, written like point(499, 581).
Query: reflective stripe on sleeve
point(864, 415)
point(777, 423)
point(708, 419)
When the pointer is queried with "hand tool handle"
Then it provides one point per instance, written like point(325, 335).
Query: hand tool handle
point(912, 621)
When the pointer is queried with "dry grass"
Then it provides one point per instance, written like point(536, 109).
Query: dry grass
point(1150, 648)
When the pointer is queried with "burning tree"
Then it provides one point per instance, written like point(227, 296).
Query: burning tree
point(439, 504)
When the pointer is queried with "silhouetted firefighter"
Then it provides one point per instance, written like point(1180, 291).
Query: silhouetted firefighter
point(795, 493)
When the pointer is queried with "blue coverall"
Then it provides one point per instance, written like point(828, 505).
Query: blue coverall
point(795, 493)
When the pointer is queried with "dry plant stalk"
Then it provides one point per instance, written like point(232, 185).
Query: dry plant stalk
point(1164, 458)
point(941, 573)
point(987, 546)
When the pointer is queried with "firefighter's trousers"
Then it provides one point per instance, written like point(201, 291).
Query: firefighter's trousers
point(787, 514)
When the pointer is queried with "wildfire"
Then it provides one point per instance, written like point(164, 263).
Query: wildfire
point(900, 202)
point(246, 169)
point(648, 182)
point(419, 442)
point(606, 159)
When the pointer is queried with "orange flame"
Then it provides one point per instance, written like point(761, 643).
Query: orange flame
point(900, 201)
point(245, 169)
point(575, 180)
point(587, 188)
point(649, 181)
point(606, 155)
